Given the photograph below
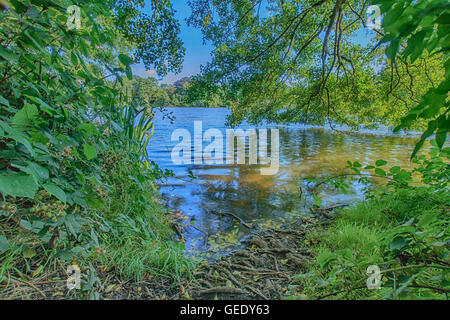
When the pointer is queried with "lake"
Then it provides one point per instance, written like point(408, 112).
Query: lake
point(260, 199)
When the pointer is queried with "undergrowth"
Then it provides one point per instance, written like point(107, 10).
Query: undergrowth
point(399, 236)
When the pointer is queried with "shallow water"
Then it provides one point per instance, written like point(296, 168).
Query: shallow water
point(243, 191)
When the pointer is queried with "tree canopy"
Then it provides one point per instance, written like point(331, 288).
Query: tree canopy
point(316, 61)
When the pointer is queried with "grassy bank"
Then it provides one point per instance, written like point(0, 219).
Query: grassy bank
point(402, 231)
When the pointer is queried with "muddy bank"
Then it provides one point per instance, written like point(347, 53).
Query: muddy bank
point(262, 270)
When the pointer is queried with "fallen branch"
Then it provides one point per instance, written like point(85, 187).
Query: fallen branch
point(225, 290)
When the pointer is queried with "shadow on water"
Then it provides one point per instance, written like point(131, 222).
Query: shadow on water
point(243, 191)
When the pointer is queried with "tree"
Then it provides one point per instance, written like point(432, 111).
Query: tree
point(154, 38)
point(298, 60)
point(146, 92)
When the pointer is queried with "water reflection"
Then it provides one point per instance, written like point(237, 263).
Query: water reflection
point(242, 190)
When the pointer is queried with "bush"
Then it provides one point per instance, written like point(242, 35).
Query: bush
point(402, 229)
point(75, 181)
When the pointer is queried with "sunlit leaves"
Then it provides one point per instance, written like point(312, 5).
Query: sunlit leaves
point(89, 151)
point(422, 27)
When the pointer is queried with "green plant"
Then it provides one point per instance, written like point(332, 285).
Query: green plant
point(402, 228)
point(72, 152)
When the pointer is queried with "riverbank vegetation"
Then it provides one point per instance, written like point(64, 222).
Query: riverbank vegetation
point(76, 185)
point(401, 230)
point(148, 92)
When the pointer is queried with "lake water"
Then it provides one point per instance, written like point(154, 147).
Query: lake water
point(244, 192)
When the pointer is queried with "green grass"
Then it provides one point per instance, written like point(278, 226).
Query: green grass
point(141, 245)
point(361, 236)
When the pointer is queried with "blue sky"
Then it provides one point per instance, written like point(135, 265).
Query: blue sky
point(196, 52)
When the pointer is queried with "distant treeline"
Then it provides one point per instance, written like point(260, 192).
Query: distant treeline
point(147, 92)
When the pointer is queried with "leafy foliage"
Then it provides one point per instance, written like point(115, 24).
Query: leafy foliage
point(402, 229)
point(154, 36)
point(305, 61)
point(413, 30)
point(64, 121)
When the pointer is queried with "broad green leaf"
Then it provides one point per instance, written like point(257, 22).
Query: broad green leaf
point(28, 253)
point(88, 129)
point(8, 55)
point(4, 101)
point(25, 117)
point(398, 243)
point(129, 73)
point(56, 191)
point(26, 224)
point(21, 138)
point(73, 59)
point(357, 164)
point(126, 60)
point(18, 185)
point(441, 136)
point(38, 172)
point(89, 151)
point(380, 172)
point(380, 163)
point(395, 169)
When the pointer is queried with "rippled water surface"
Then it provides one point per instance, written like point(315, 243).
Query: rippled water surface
point(243, 191)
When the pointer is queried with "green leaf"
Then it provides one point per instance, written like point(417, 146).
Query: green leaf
point(21, 138)
point(380, 172)
point(34, 39)
point(4, 101)
point(18, 185)
point(26, 225)
point(129, 73)
point(29, 253)
point(73, 59)
point(395, 170)
point(89, 151)
point(56, 191)
point(88, 129)
point(37, 171)
point(126, 60)
point(391, 51)
point(441, 136)
point(8, 55)
point(380, 163)
point(398, 243)
point(356, 164)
